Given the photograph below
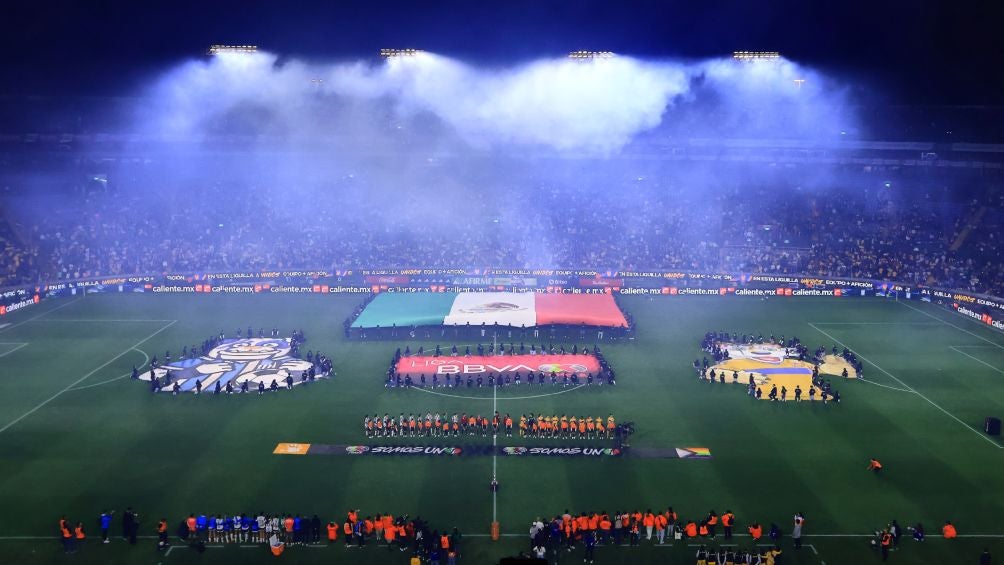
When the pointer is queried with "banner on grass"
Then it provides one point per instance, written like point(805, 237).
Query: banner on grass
point(594, 452)
point(581, 365)
point(513, 309)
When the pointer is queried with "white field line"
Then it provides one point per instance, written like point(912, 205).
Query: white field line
point(504, 398)
point(875, 323)
point(99, 320)
point(494, 456)
point(957, 350)
point(85, 377)
point(18, 344)
point(947, 323)
point(113, 379)
point(32, 319)
point(866, 381)
point(929, 401)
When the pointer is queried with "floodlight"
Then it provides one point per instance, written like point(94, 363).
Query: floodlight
point(399, 53)
point(245, 49)
point(580, 55)
point(755, 55)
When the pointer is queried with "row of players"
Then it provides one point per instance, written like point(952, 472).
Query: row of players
point(826, 390)
point(536, 426)
point(456, 380)
point(482, 351)
point(308, 376)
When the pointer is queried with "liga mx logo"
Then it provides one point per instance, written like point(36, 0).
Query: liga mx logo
point(236, 361)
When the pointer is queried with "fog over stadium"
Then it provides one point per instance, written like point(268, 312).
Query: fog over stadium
point(372, 161)
point(564, 104)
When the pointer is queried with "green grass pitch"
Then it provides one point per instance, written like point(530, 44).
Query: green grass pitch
point(77, 435)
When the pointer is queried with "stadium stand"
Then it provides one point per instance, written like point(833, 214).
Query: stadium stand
point(913, 236)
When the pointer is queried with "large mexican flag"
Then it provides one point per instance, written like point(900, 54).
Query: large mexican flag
point(515, 309)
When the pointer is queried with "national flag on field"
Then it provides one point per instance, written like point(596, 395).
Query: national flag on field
point(514, 309)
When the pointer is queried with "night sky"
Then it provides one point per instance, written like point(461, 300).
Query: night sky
point(901, 52)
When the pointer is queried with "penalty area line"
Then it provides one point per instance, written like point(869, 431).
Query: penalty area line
point(866, 381)
point(49, 311)
point(113, 379)
point(947, 323)
point(957, 350)
point(893, 377)
point(85, 377)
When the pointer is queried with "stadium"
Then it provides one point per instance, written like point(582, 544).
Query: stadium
point(305, 297)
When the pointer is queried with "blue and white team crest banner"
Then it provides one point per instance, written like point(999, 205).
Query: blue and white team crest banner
point(235, 361)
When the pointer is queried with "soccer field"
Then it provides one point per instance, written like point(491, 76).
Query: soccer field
point(77, 435)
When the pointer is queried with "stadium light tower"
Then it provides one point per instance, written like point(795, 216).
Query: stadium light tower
point(749, 56)
point(590, 55)
point(218, 49)
point(399, 53)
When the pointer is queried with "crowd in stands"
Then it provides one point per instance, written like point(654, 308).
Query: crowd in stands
point(916, 236)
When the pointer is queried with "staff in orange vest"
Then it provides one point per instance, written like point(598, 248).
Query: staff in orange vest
point(755, 530)
point(874, 465)
point(605, 525)
point(660, 528)
point(390, 534)
point(690, 529)
point(347, 530)
point(948, 530)
point(649, 522)
point(332, 532)
point(727, 519)
point(67, 535)
point(885, 542)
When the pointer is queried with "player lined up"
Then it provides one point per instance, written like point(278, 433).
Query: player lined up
point(492, 380)
point(501, 349)
point(566, 427)
point(455, 425)
point(436, 425)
